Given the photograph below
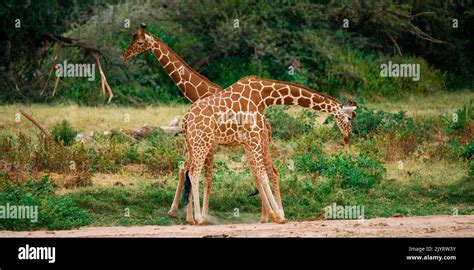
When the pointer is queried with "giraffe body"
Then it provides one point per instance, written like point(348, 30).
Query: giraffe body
point(206, 126)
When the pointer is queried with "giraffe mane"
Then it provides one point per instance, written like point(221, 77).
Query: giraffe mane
point(186, 64)
point(326, 97)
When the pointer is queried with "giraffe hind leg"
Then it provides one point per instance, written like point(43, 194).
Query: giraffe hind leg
point(179, 190)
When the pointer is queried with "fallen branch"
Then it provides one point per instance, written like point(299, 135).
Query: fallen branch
point(36, 123)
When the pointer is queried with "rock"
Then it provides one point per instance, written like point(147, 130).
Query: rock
point(174, 122)
point(171, 130)
point(86, 139)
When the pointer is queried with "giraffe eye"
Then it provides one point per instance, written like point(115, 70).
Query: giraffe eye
point(141, 43)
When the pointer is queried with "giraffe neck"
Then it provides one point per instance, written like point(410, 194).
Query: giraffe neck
point(192, 84)
point(283, 93)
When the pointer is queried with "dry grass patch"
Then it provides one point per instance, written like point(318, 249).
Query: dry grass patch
point(431, 171)
point(88, 118)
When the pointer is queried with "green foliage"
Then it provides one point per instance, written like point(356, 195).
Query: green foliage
point(64, 133)
point(268, 40)
point(360, 173)
point(460, 120)
point(286, 126)
point(165, 152)
point(458, 151)
point(54, 212)
point(26, 159)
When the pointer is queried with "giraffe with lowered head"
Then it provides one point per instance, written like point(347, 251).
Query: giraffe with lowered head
point(207, 124)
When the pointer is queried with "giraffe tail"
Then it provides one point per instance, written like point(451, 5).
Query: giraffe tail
point(187, 188)
point(254, 193)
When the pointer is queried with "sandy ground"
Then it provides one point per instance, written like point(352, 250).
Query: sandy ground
point(428, 226)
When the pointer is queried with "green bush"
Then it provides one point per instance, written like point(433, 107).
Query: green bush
point(468, 151)
point(164, 154)
point(360, 173)
point(64, 133)
point(458, 122)
point(54, 212)
point(458, 151)
point(366, 121)
point(286, 126)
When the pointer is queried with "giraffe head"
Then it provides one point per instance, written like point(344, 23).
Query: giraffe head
point(344, 118)
point(141, 43)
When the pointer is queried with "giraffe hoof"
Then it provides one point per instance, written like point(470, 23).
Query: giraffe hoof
point(203, 222)
point(263, 220)
point(172, 214)
point(190, 221)
point(273, 217)
point(199, 221)
point(282, 221)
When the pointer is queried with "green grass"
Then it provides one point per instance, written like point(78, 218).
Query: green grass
point(303, 198)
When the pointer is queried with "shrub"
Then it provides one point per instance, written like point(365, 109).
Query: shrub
point(468, 151)
point(366, 121)
point(460, 120)
point(165, 152)
point(360, 173)
point(458, 151)
point(286, 126)
point(55, 213)
point(22, 160)
point(64, 133)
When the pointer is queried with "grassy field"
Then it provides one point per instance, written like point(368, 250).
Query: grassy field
point(113, 117)
point(132, 183)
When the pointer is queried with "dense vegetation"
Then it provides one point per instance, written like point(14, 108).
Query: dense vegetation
point(241, 38)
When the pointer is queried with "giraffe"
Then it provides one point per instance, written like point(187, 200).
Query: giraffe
point(207, 124)
point(194, 87)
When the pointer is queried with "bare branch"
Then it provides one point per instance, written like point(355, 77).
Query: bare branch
point(56, 53)
point(36, 123)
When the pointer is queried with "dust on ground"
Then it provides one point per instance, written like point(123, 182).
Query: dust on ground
point(425, 226)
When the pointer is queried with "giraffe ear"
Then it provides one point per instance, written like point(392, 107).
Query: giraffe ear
point(352, 103)
point(141, 29)
point(348, 108)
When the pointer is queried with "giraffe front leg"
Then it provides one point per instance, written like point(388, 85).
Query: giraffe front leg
point(255, 153)
point(275, 181)
point(195, 191)
point(179, 190)
point(207, 185)
point(264, 218)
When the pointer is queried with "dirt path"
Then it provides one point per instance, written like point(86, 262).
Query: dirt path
point(429, 226)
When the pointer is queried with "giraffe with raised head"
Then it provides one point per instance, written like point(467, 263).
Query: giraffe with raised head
point(207, 124)
point(194, 86)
